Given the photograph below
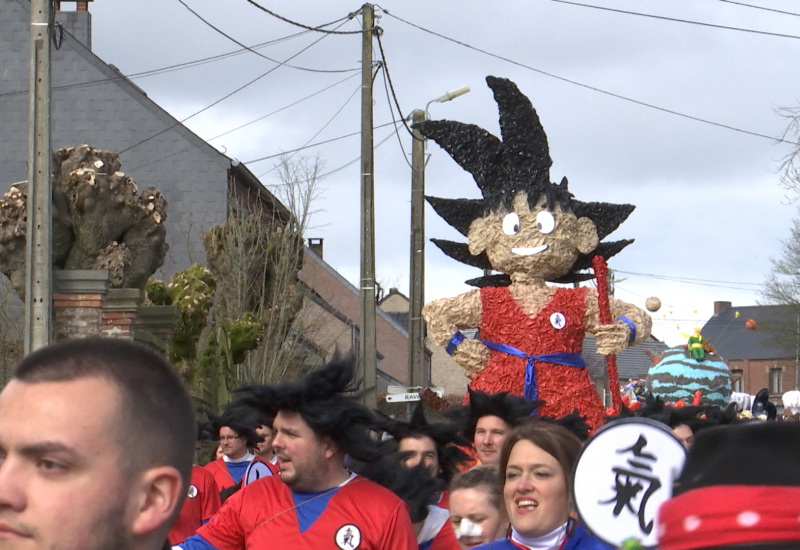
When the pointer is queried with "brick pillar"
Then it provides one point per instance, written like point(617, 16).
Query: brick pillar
point(119, 312)
point(78, 299)
point(154, 325)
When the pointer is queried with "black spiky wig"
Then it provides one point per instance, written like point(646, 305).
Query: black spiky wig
point(414, 485)
point(444, 434)
point(520, 162)
point(238, 419)
point(325, 399)
point(511, 408)
point(696, 417)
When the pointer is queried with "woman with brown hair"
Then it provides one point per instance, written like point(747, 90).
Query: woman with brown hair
point(536, 463)
point(477, 512)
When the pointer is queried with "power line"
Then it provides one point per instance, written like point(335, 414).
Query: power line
point(317, 144)
point(251, 50)
point(587, 86)
point(304, 26)
point(220, 100)
point(676, 20)
point(685, 278)
point(283, 108)
point(760, 8)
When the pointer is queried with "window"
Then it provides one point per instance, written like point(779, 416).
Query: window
point(775, 381)
point(737, 378)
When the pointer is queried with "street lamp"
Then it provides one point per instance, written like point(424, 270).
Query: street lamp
point(416, 335)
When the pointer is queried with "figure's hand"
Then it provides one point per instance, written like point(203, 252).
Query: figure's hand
point(612, 339)
point(472, 355)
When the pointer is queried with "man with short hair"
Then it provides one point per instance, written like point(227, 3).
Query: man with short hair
point(488, 419)
point(316, 503)
point(97, 438)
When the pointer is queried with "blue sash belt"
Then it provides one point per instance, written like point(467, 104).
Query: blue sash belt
point(562, 358)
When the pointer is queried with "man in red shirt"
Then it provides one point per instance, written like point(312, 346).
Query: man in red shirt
point(316, 503)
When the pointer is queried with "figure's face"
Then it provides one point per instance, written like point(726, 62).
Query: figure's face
point(537, 241)
point(423, 451)
point(264, 447)
point(474, 518)
point(302, 456)
point(61, 482)
point(490, 434)
point(232, 444)
point(535, 490)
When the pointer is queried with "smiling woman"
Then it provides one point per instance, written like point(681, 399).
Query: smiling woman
point(536, 464)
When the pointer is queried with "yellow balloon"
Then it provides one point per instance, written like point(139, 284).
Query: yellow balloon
point(736, 315)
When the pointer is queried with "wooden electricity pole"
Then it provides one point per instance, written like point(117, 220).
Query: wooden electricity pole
point(416, 333)
point(367, 348)
point(39, 263)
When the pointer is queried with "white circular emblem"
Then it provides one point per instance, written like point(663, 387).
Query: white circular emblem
point(558, 320)
point(192, 491)
point(348, 537)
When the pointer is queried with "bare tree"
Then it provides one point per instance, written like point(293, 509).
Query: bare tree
point(790, 166)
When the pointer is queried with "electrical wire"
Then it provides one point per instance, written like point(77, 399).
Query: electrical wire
point(388, 76)
point(589, 87)
point(683, 279)
point(676, 20)
point(282, 108)
point(220, 100)
point(251, 50)
point(307, 27)
point(170, 68)
point(394, 120)
point(760, 7)
point(317, 144)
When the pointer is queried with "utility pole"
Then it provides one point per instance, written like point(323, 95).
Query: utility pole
point(39, 263)
point(367, 348)
point(416, 334)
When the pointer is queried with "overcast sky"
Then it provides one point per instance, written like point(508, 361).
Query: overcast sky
point(709, 208)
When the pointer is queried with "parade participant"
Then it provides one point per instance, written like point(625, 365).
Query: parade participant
point(488, 419)
point(431, 444)
point(235, 431)
point(739, 488)
point(477, 513)
point(316, 503)
point(533, 232)
point(96, 444)
point(536, 463)
point(265, 463)
point(202, 502)
point(414, 485)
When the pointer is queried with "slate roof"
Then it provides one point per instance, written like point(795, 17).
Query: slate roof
point(632, 363)
point(734, 341)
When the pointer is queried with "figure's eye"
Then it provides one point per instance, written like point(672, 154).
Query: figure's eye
point(545, 222)
point(511, 224)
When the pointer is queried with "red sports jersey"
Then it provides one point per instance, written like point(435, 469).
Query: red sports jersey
point(359, 515)
point(202, 502)
point(222, 476)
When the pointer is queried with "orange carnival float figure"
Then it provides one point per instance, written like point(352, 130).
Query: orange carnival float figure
point(532, 232)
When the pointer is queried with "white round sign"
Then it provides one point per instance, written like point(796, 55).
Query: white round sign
point(623, 474)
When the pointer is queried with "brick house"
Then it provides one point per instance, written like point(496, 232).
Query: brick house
point(765, 356)
point(93, 103)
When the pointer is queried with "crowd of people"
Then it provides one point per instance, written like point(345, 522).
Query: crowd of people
point(98, 444)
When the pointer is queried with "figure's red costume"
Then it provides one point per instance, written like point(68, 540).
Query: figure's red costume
point(563, 388)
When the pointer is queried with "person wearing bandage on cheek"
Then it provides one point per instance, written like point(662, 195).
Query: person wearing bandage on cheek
point(476, 506)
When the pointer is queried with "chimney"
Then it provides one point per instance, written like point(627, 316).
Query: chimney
point(78, 22)
point(719, 307)
point(315, 245)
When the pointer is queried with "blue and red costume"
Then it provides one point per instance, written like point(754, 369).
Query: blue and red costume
point(580, 539)
point(202, 502)
point(268, 514)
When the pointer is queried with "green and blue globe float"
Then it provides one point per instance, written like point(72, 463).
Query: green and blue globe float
point(677, 376)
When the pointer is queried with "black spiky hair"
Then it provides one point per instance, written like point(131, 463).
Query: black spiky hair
point(520, 162)
point(511, 408)
point(413, 485)
point(444, 434)
point(696, 417)
point(326, 401)
point(239, 419)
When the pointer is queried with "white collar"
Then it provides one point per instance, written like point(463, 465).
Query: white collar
point(549, 541)
point(246, 458)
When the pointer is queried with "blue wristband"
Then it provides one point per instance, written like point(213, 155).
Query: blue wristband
point(632, 336)
point(456, 339)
